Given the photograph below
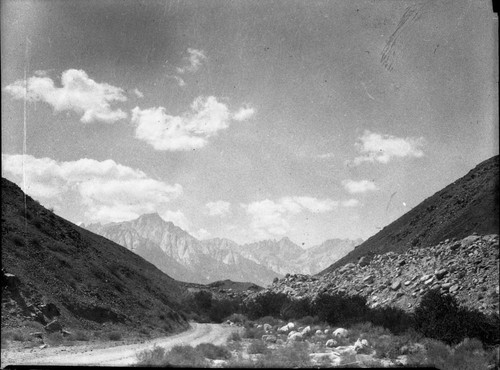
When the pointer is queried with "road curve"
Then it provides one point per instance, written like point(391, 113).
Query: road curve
point(122, 355)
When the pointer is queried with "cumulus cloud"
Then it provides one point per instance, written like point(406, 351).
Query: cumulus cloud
point(270, 218)
point(105, 190)
point(350, 203)
point(243, 114)
point(361, 186)
point(192, 61)
point(178, 218)
point(138, 93)
point(219, 208)
point(201, 234)
point(326, 155)
point(77, 93)
point(185, 132)
point(382, 148)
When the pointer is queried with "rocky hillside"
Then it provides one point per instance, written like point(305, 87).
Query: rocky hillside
point(188, 259)
point(470, 204)
point(182, 256)
point(466, 268)
point(53, 269)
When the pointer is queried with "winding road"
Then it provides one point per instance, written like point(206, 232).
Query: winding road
point(121, 355)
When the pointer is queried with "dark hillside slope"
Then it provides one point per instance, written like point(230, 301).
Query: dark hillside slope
point(470, 204)
point(53, 269)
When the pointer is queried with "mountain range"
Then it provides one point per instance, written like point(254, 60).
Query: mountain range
point(188, 259)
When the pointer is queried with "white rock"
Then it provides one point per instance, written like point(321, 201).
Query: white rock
point(318, 332)
point(259, 326)
point(331, 343)
point(306, 330)
point(292, 333)
point(331, 357)
point(283, 329)
point(326, 331)
point(341, 333)
point(291, 326)
point(295, 336)
point(267, 327)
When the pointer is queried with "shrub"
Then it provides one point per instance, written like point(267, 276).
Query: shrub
point(55, 339)
point(340, 308)
point(221, 309)
point(235, 337)
point(38, 222)
point(294, 356)
point(213, 352)
point(79, 335)
point(392, 318)
point(466, 355)
point(266, 304)
point(295, 309)
point(183, 355)
point(439, 317)
point(154, 357)
point(114, 335)
point(237, 318)
point(253, 333)
point(257, 346)
point(36, 242)
point(308, 320)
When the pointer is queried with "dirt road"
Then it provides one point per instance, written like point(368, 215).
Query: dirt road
point(122, 355)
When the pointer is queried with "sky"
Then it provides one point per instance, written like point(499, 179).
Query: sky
point(246, 120)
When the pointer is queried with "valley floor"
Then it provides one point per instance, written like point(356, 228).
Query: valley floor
point(109, 354)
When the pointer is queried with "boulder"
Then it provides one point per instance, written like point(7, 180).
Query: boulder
point(330, 357)
point(53, 326)
point(296, 336)
point(306, 330)
point(396, 285)
point(319, 332)
point(331, 343)
point(267, 327)
point(440, 273)
point(341, 333)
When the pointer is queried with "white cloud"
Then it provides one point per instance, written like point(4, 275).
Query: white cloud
point(178, 218)
point(326, 155)
point(201, 234)
point(244, 113)
point(361, 186)
point(382, 148)
point(138, 93)
point(106, 191)
point(188, 131)
point(193, 61)
point(350, 203)
point(219, 208)
point(78, 93)
point(271, 218)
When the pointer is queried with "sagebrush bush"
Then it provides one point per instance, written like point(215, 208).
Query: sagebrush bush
point(296, 309)
point(392, 318)
point(257, 346)
point(235, 337)
point(213, 352)
point(237, 318)
point(465, 356)
point(293, 356)
point(154, 357)
point(439, 316)
point(184, 355)
point(115, 335)
point(268, 304)
point(253, 333)
point(54, 339)
point(340, 308)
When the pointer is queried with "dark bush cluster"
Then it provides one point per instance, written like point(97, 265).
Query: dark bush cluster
point(205, 308)
point(440, 317)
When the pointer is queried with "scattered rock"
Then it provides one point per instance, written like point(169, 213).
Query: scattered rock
point(269, 338)
point(396, 285)
point(331, 343)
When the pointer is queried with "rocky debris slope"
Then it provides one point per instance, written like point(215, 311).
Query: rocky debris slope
point(53, 269)
point(467, 269)
point(470, 204)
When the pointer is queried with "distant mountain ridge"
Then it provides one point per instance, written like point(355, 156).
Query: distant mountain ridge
point(188, 259)
point(468, 205)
